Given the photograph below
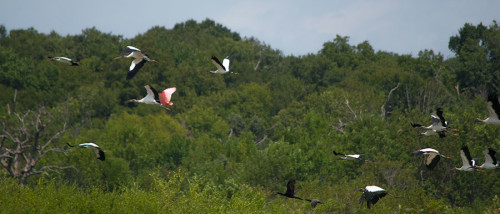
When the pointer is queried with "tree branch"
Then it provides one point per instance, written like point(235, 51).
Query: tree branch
point(350, 109)
point(384, 106)
point(260, 141)
point(55, 136)
point(51, 167)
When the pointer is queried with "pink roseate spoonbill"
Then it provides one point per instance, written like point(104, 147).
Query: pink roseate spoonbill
point(166, 95)
point(100, 153)
point(64, 60)
point(371, 194)
point(468, 164)
point(222, 68)
point(493, 107)
point(433, 157)
point(140, 59)
point(290, 190)
point(490, 161)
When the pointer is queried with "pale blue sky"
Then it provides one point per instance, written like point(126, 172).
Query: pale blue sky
point(295, 27)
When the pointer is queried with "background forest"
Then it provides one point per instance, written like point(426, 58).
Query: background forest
point(232, 141)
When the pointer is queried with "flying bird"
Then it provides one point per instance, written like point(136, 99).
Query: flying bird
point(99, 151)
point(433, 157)
point(348, 157)
point(371, 194)
point(153, 97)
point(493, 107)
point(314, 202)
point(468, 164)
point(64, 60)
point(439, 125)
point(490, 161)
point(166, 95)
point(290, 190)
point(223, 67)
point(140, 59)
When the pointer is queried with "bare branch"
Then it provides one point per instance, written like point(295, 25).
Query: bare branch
point(260, 141)
point(51, 167)
point(350, 109)
point(21, 157)
point(384, 106)
point(55, 136)
point(258, 62)
point(457, 88)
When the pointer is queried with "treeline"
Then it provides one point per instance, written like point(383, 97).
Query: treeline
point(232, 141)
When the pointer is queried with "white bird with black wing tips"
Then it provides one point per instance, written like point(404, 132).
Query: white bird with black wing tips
point(150, 98)
point(223, 67)
point(371, 194)
point(439, 125)
point(64, 60)
point(153, 97)
point(100, 153)
point(433, 157)
point(140, 59)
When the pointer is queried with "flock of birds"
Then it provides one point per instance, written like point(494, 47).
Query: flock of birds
point(439, 126)
point(371, 194)
point(152, 97)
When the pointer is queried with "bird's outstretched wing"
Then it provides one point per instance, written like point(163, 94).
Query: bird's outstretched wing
point(217, 64)
point(152, 94)
point(102, 156)
point(166, 95)
point(493, 106)
point(335, 153)
point(432, 161)
point(466, 158)
point(134, 67)
point(439, 113)
point(128, 50)
point(290, 187)
point(157, 98)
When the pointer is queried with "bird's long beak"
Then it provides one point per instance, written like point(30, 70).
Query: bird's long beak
point(118, 57)
point(154, 61)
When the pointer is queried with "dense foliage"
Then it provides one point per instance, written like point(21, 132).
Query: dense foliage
point(232, 141)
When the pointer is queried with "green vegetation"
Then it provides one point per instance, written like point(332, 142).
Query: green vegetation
point(232, 141)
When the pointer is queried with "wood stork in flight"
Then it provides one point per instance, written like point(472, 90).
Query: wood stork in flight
point(290, 190)
point(64, 60)
point(433, 157)
point(140, 59)
point(153, 97)
point(99, 151)
point(371, 194)
point(223, 67)
point(493, 107)
point(439, 125)
point(468, 164)
point(348, 157)
point(490, 161)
